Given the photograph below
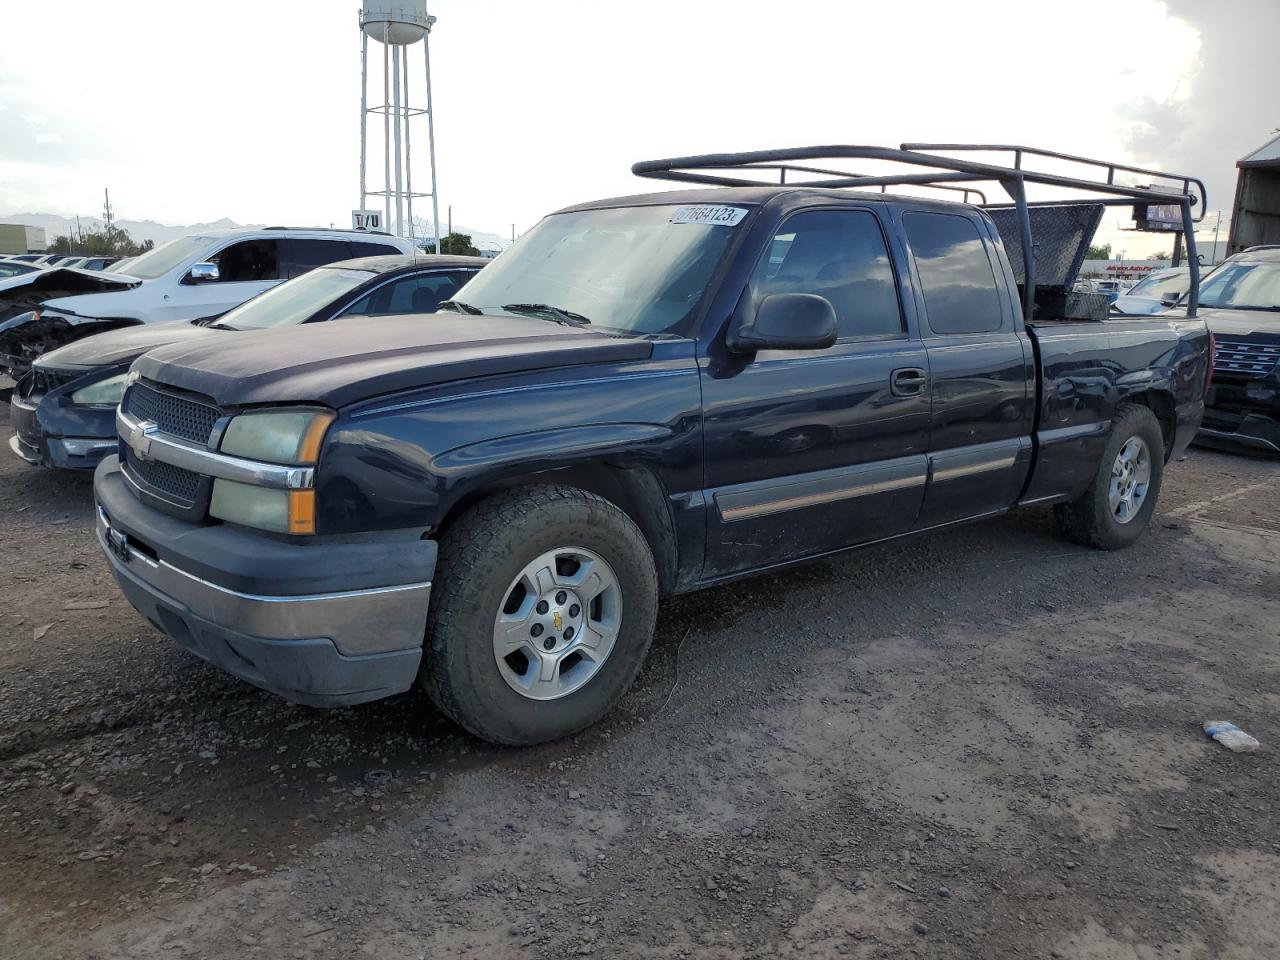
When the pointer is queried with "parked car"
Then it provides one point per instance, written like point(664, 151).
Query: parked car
point(63, 410)
point(191, 277)
point(1242, 308)
point(1112, 288)
point(1157, 291)
point(16, 268)
point(97, 263)
point(641, 397)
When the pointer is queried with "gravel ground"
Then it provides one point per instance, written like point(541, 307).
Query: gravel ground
point(983, 742)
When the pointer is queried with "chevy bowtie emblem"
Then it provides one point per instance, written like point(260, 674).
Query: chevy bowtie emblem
point(139, 439)
point(559, 620)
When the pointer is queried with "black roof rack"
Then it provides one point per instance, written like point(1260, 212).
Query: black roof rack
point(929, 166)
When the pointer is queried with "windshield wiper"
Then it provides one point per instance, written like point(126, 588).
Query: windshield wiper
point(1240, 306)
point(545, 310)
point(460, 307)
point(219, 325)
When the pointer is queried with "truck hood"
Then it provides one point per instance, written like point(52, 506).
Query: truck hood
point(1259, 324)
point(341, 363)
point(120, 346)
point(24, 293)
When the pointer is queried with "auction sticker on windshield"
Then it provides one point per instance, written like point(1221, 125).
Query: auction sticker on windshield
point(718, 216)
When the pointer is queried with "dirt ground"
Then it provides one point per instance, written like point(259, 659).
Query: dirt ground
point(982, 742)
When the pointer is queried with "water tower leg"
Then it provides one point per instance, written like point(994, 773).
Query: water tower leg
point(364, 114)
point(408, 156)
point(395, 133)
point(386, 124)
point(431, 142)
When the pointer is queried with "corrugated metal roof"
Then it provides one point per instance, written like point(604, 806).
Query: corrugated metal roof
point(1270, 151)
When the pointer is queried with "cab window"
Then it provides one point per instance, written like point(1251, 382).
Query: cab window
point(420, 293)
point(840, 255)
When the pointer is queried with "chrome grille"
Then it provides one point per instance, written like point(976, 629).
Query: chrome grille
point(173, 413)
point(173, 483)
point(1248, 359)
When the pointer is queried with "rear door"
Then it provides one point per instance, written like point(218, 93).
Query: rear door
point(306, 253)
point(981, 368)
point(813, 451)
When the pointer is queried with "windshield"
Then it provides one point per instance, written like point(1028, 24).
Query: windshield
point(1159, 287)
point(633, 269)
point(157, 262)
point(1243, 285)
point(295, 300)
point(13, 269)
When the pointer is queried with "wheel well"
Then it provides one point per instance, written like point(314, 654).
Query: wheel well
point(636, 491)
point(1161, 404)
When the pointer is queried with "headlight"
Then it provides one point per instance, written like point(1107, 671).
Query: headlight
point(290, 437)
point(283, 511)
point(277, 436)
point(104, 393)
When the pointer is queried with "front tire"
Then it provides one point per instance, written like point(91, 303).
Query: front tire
point(1117, 507)
point(541, 614)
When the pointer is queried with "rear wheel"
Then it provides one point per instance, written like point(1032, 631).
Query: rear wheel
point(1118, 505)
point(541, 614)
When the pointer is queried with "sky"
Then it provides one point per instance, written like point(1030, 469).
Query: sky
point(250, 110)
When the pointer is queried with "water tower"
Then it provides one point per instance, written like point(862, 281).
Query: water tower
point(397, 25)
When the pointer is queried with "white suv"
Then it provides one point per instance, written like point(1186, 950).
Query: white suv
point(208, 274)
point(203, 275)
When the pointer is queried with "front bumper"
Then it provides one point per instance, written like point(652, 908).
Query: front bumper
point(324, 624)
point(1243, 414)
point(38, 434)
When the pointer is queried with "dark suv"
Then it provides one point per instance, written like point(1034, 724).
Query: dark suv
point(1240, 302)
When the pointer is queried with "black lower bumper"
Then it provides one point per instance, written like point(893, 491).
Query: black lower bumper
point(325, 624)
point(307, 670)
point(1254, 430)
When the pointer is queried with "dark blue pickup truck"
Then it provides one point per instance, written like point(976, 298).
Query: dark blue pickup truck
point(644, 396)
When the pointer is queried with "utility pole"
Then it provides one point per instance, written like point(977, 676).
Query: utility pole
point(1217, 222)
point(513, 233)
point(106, 209)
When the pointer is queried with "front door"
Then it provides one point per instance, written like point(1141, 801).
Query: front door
point(245, 269)
point(812, 451)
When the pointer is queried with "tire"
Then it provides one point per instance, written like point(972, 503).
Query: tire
point(1092, 519)
point(482, 587)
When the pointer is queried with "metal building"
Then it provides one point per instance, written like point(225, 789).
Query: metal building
point(1256, 216)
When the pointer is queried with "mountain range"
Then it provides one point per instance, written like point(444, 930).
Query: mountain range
point(55, 225)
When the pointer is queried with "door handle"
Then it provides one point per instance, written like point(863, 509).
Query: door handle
point(908, 381)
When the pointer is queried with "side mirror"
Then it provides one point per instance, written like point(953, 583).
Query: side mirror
point(784, 321)
point(1170, 299)
point(203, 273)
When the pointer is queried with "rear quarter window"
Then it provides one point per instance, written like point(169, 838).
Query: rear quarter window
point(960, 292)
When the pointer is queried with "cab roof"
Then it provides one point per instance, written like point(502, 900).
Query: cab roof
point(390, 263)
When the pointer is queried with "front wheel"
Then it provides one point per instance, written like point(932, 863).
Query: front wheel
point(542, 611)
point(1119, 503)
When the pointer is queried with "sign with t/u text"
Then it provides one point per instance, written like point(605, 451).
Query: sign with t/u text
point(366, 219)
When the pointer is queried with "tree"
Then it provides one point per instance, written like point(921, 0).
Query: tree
point(1096, 252)
point(458, 244)
point(1164, 255)
point(108, 242)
